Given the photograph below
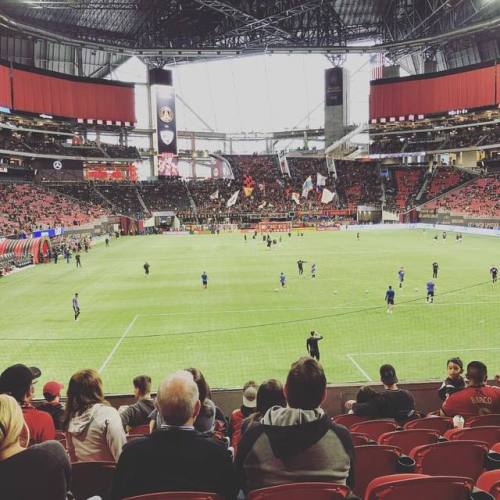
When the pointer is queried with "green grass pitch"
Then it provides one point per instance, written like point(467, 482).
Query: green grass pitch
point(244, 326)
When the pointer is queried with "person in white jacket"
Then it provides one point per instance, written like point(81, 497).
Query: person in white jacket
point(94, 430)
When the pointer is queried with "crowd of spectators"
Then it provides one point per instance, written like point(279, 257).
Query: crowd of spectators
point(27, 207)
point(480, 198)
point(168, 193)
point(358, 184)
point(181, 441)
point(402, 186)
point(444, 179)
point(123, 196)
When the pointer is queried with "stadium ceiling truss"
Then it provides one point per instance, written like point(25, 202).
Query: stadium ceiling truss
point(91, 37)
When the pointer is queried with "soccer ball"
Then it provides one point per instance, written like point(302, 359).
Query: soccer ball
point(366, 291)
point(335, 292)
point(416, 289)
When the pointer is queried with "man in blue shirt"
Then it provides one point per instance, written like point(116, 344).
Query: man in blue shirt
point(282, 280)
point(204, 279)
point(389, 298)
point(430, 292)
point(401, 276)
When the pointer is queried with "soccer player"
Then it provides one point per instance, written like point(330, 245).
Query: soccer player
point(401, 276)
point(269, 243)
point(430, 291)
point(357, 236)
point(389, 298)
point(282, 280)
point(146, 269)
point(76, 306)
point(300, 265)
point(107, 241)
point(435, 269)
point(494, 273)
point(78, 261)
point(312, 344)
point(204, 279)
point(313, 270)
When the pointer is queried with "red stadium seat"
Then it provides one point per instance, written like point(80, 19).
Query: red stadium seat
point(440, 424)
point(418, 487)
point(374, 428)
point(489, 435)
point(483, 420)
point(348, 419)
point(177, 495)
point(496, 448)
point(299, 491)
point(139, 430)
point(360, 439)
point(371, 462)
point(465, 458)
point(408, 439)
point(490, 482)
point(90, 479)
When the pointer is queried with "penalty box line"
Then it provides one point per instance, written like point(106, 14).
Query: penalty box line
point(350, 356)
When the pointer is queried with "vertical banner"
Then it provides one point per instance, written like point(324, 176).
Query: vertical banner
point(334, 87)
point(163, 102)
point(336, 109)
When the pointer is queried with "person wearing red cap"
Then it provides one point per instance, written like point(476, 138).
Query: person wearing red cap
point(53, 405)
point(18, 381)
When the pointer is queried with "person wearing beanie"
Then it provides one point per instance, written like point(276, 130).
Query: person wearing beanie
point(53, 406)
point(454, 381)
point(248, 407)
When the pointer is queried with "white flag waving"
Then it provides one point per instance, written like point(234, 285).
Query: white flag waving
point(327, 196)
point(215, 195)
point(306, 187)
point(320, 179)
point(233, 199)
point(296, 198)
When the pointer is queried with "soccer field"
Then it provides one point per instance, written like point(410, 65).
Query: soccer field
point(244, 326)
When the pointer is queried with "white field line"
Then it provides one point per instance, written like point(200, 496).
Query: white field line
point(454, 349)
point(358, 366)
point(118, 343)
point(360, 306)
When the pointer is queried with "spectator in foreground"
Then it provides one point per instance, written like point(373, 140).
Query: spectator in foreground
point(175, 457)
point(454, 381)
point(18, 381)
point(269, 394)
point(53, 405)
point(477, 398)
point(41, 471)
point(298, 443)
point(93, 428)
point(245, 410)
point(393, 402)
point(138, 413)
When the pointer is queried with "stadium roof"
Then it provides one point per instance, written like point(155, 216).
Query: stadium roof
point(178, 30)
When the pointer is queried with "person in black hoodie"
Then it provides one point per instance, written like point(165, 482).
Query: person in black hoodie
point(298, 443)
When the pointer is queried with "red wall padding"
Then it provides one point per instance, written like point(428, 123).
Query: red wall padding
point(467, 89)
point(5, 90)
point(40, 93)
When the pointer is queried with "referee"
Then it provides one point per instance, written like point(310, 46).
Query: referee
point(312, 344)
point(76, 306)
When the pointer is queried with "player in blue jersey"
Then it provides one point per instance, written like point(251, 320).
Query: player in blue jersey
point(494, 274)
point(282, 280)
point(204, 279)
point(401, 276)
point(389, 298)
point(430, 291)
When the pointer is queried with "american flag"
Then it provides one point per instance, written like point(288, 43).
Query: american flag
point(377, 62)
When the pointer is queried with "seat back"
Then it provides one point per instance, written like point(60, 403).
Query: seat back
point(374, 428)
point(418, 486)
point(92, 479)
point(483, 420)
point(463, 458)
point(360, 439)
point(299, 491)
point(490, 482)
point(408, 439)
point(177, 495)
point(348, 419)
point(139, 430)
point(489, 435)
point(496, 448)
point(440, 424)
point(373, 461)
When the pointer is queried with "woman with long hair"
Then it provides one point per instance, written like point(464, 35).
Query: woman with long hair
point(41, 471)
point(93, 428)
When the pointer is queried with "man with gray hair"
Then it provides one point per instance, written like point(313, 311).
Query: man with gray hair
point(175, 457)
